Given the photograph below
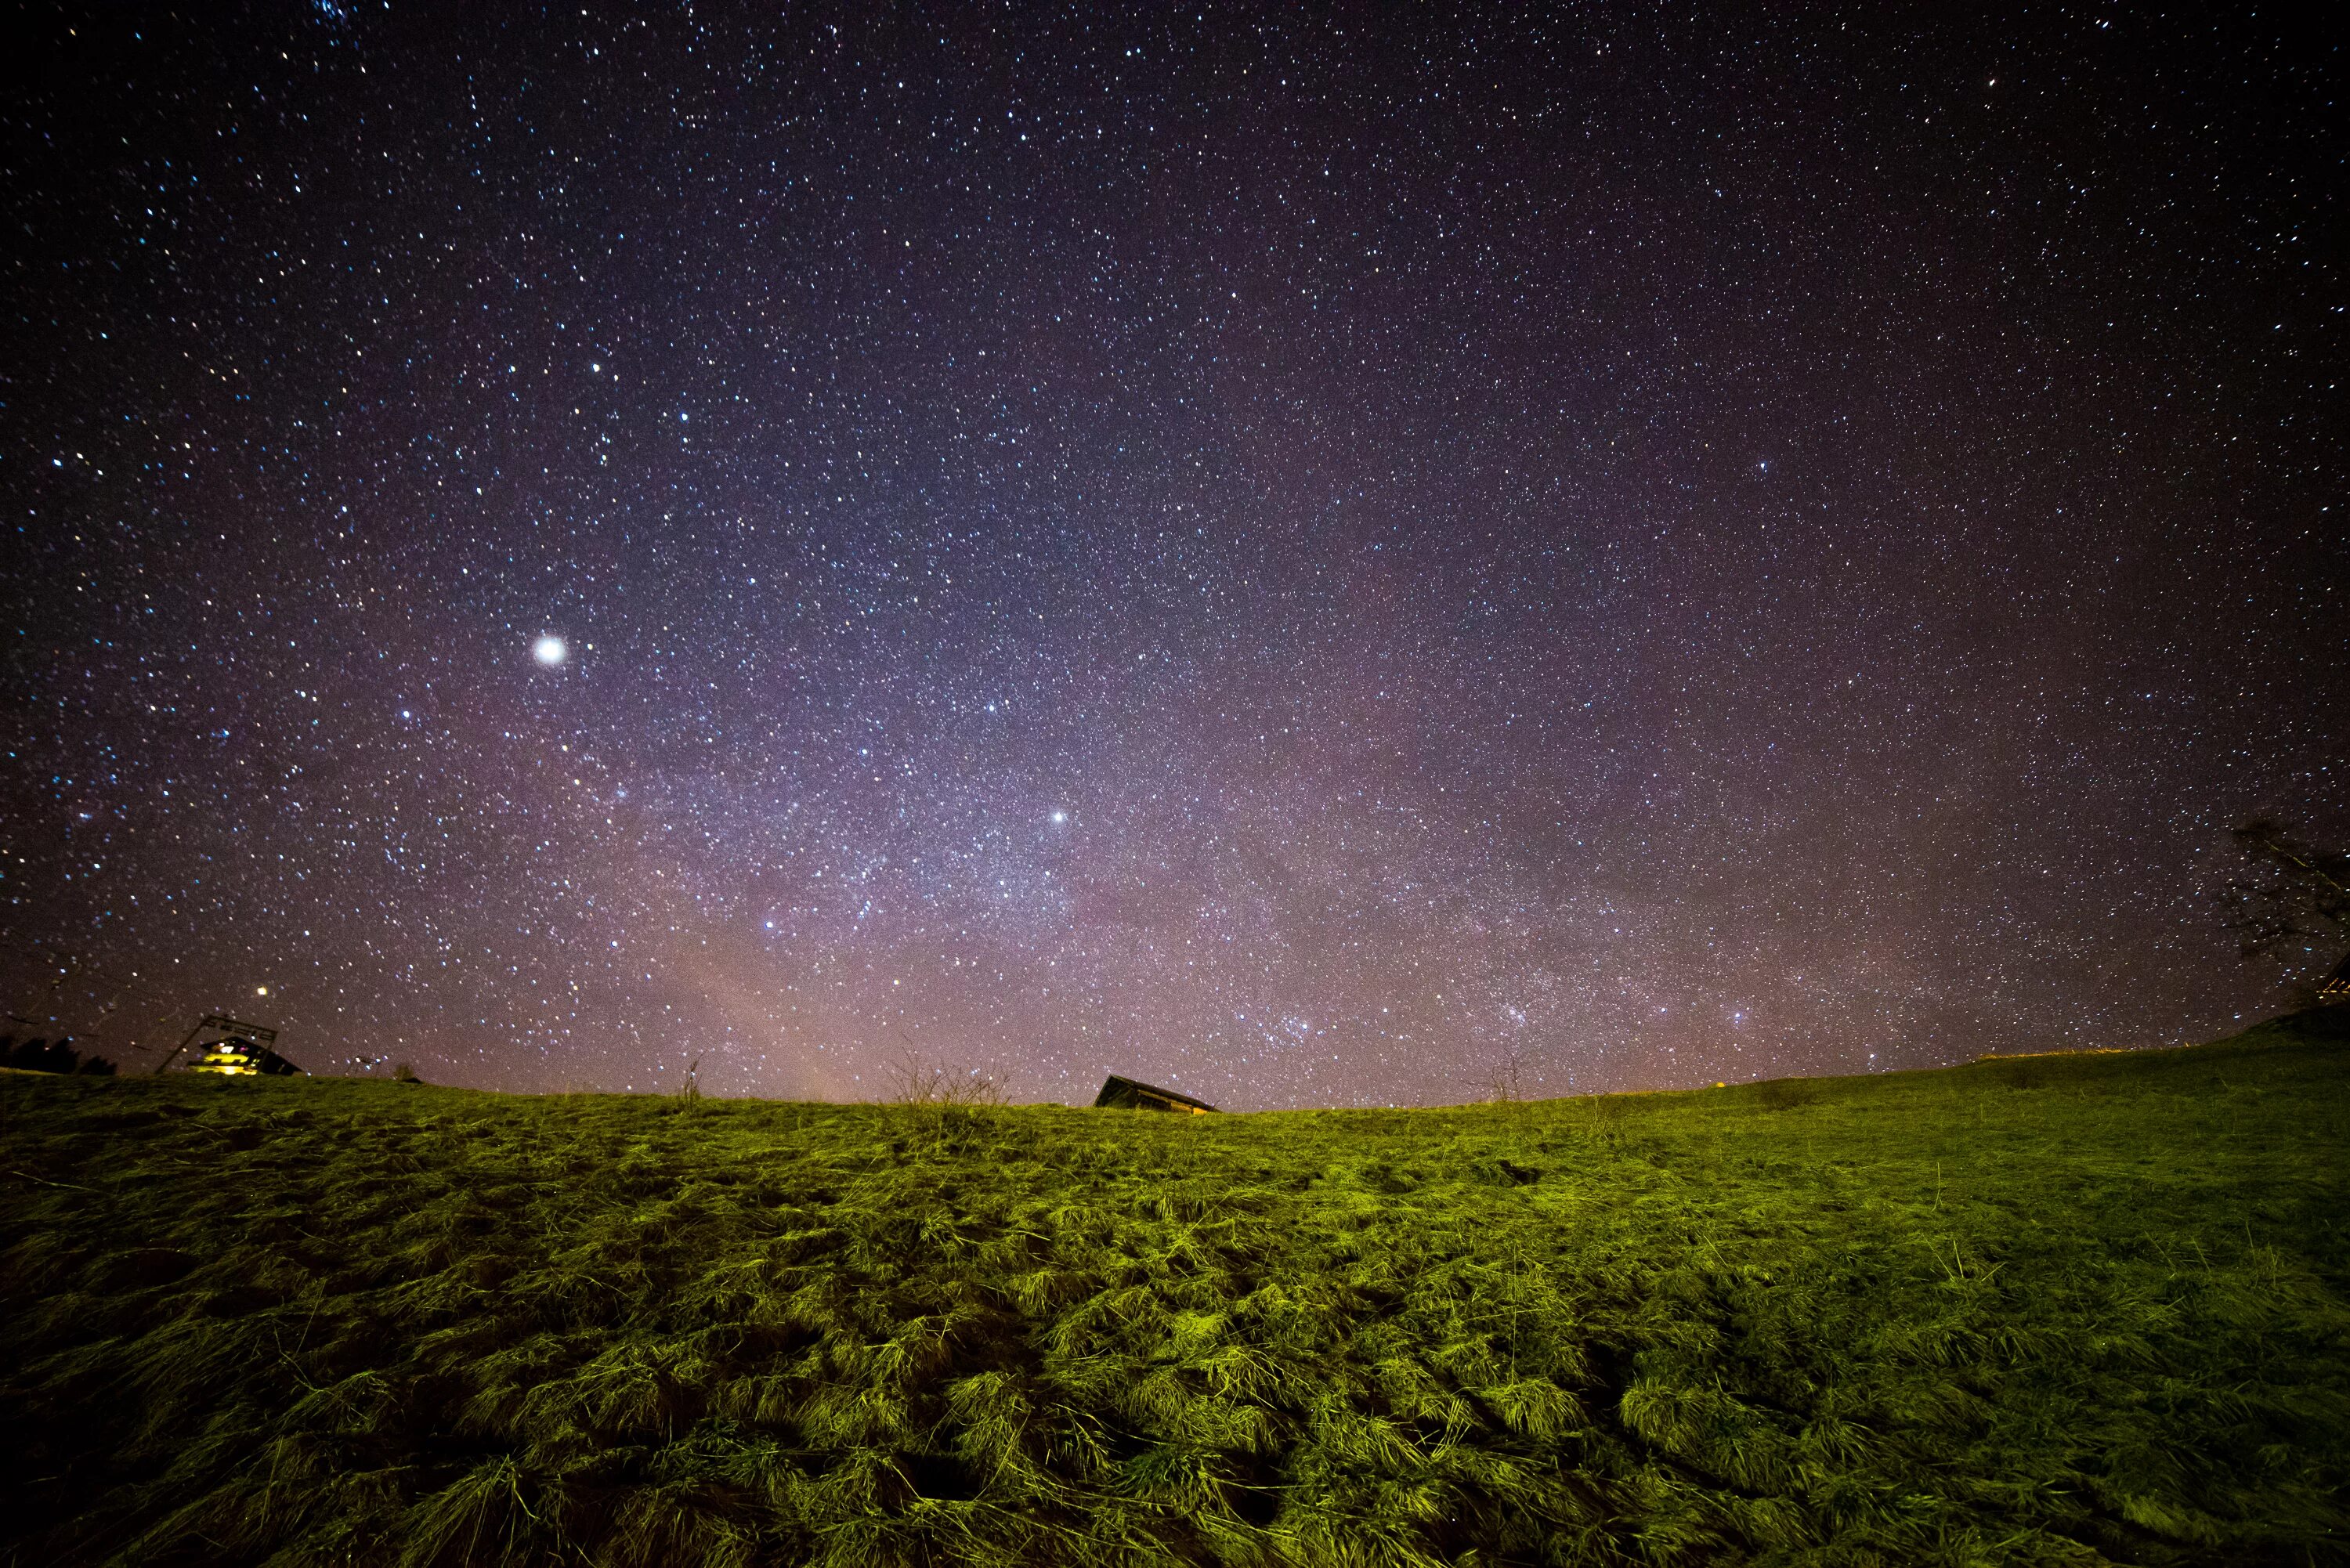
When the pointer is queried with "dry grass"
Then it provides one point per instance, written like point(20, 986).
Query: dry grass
point(1914, 1319)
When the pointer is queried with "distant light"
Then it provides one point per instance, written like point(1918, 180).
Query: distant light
point(261, 991)
point(1059, 817)
point(550, 651)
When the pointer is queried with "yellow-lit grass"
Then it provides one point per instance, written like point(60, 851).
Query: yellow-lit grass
point(2089, 1310)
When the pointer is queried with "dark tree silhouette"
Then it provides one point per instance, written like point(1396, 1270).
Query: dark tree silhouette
point(46, 1056)
point(2291, 899)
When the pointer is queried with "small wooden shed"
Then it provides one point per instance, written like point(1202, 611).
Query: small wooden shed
point(239, 1050)
point(237, 1057)
point(1125, 1095)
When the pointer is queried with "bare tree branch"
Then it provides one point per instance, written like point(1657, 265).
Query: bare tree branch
point(2290, 894)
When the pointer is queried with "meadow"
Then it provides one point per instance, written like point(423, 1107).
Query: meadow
point(2052, 1310)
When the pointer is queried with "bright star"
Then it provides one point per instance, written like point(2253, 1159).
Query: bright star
point(550, 651)
point(1059, 817)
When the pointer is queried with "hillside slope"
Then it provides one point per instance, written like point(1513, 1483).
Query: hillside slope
point(2050, 1310)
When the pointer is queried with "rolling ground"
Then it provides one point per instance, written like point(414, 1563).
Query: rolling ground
point(2061, 1309)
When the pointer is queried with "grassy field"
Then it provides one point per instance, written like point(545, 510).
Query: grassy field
point(2072, 1309)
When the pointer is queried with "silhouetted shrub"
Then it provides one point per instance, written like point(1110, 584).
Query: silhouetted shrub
point(44, 1057)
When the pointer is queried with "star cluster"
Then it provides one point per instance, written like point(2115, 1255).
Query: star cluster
point(1313, 558)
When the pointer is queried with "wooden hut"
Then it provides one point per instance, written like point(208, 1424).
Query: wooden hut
point(241, 1049)
point(1125, 1095)
point(237, 1057)
point(2334, 989)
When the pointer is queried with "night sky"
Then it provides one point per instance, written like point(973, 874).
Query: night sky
point(1310, 556)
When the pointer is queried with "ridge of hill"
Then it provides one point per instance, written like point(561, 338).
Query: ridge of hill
point(2056, 1309)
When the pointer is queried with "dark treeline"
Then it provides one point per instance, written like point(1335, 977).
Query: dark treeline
point(51, 1057)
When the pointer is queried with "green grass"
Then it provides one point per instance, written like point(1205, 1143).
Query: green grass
point(2058, 1310)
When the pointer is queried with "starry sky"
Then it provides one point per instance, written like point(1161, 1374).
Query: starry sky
point(1313, 556)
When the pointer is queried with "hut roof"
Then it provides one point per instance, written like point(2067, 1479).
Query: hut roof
point(1126, 1094)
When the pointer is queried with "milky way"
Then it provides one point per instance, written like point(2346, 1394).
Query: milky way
point(1311, 559)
